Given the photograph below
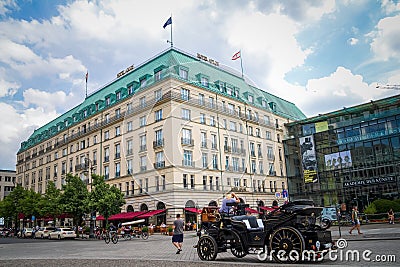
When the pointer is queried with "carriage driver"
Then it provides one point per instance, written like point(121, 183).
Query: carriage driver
point(229, 198)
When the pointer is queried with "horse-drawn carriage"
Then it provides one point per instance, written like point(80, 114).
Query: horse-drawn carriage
point(286, 233)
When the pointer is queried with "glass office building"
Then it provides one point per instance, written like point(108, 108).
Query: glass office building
point(350, 155)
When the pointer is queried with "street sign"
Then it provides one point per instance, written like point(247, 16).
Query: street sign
point(278, 194)
point(284, 193)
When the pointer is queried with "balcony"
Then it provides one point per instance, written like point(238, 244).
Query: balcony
point(158, 143)
point(80, 167)
point(187, 141)
point(159, 165)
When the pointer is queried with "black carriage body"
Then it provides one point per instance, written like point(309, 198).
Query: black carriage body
point(296, 220)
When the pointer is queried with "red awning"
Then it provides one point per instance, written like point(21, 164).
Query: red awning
point(251, 210)
point(133, 214)
point(194, 210)
point(100, 218)
point(150, 213)
point(21, 216)
point(269, 208)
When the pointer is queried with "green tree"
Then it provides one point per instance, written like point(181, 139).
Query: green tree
point(105, 199)
point(74, 198)
point(29, 204)
point(50, 203)
point(11, 206)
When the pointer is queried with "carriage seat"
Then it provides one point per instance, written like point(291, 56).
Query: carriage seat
point(251, 222)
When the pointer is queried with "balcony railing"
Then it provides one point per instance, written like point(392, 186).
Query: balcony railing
point(158, 143)
point(159, 164)
point(187, 142)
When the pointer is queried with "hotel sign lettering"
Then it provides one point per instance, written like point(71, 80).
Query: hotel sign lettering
point(372, 181)
point(123, 72)
point(209, 60)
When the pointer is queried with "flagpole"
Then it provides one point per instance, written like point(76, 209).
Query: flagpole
point(172, 44)
point(86, 77)
point(241, 62)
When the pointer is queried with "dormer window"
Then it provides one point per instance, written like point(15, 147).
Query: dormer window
point(229, 90)
point(250, 98)
point(108, 101)
point(204, 81)
point(157, 75)
point(143, 82)
point(130, 89)
point(118, 96)
point(264, 104)
point(272, 105)
point(183, 73)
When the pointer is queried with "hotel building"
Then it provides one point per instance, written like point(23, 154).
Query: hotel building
point(174, 133)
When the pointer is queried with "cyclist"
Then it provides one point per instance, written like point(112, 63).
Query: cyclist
point(112, 227)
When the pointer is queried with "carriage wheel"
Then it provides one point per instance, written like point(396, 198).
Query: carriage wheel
point(286, 245)
point(237, 249)
point(207, 248)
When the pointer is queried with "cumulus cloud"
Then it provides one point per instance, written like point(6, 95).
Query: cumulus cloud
point(8, 88)
point(48, 102)
point(352, 41)
point(386, 42)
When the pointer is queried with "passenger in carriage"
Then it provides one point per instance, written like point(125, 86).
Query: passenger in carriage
point(229, 198)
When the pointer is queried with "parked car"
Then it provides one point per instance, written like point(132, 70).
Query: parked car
point(62, 233)
point(26, 232)
point(329, 213)
point(43, 232)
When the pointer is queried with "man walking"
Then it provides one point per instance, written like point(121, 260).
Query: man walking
point(177, 238)
point(356, 221)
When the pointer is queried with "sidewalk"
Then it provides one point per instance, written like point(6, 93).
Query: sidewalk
point(370, 232)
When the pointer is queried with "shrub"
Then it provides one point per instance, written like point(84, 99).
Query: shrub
point(384, 205)
point(371, 209)
point(170, 229)
point(145, 229)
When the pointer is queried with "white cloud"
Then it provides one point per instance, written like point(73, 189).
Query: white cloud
point(8, 88)
point(352, 41)
point(6, 6)
point(386, 42)
point(390, 7)
point(49, 102)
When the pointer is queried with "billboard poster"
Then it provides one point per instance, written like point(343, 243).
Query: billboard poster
point(338, 160)
point(321, 126)
point(309, 159)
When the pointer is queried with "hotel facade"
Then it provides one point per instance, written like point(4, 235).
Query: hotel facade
point(347, 156)
point(173, 134)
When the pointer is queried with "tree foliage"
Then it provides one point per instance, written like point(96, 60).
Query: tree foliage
point(49, 204)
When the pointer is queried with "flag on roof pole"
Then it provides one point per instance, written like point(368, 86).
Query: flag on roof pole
point(236, 55)
point(168, 22)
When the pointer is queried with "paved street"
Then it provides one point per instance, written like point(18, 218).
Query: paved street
point(158, 251)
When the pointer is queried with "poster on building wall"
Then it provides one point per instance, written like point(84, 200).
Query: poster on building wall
point(321, 126)
point(338, 160)
point(309, 159)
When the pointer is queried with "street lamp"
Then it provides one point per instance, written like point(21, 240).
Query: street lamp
point(89, 170)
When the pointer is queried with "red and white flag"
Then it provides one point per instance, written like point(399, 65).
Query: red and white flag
point(236, 56)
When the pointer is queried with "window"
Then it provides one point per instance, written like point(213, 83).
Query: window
point(231, 108)
point(185, 94)
point(159, 138)
point(186, 114)
point(118, 131)
point(183, 73)
point(130, 89)
point(142, 101)
point(158, 115)
point(211, 183)
point(250, 98)
point(157, 94)
point(192, 181)
point(117, 151)
point(157, 183)
point(204, 182)
point(186, 136)
point(142, 121)
point(129, 126)
point(202, 118)
point(215, 161)
point(270, 153)
point(185, 183)
point(143, 163)
point(117, 169)
point(211, 102)
point(160, 163)
point(212, 120)
point(232, 126)
point(142, 143)
point(108, 101)
point(235, 164)
point(118, 113)
point(187, 158)
point(252, 151)
point(250, 128)
point(203, 139)
point(143, 82)
point(259, 150)
point(129, 147)
point(258, 132)
point(213, 141)
point(106, 172)
point(201, 99)
point(157, 75)
point(260, 166)
point(268, 135)
point(107, 118)
point(253, 166)
point(106, 135)
point(94, 158)
point(106, 154)
point(266, 119)
point(129, 168)
point(204, 81)
point(204, 159)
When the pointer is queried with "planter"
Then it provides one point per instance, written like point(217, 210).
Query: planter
point(170, 233)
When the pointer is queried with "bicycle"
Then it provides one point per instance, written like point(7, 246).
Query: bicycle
point(128, 235)
point(111, 236)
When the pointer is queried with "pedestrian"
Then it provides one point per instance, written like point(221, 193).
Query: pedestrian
point(177, 237)
point(391, 216)
point(356, 221)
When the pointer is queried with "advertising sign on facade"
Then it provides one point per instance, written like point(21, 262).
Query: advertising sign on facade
point(309, 159)
point(338, 160)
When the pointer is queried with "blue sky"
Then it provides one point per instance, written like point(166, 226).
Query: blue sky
point(320, 55)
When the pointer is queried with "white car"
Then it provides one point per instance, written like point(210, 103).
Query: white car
point(62, 233)
point(44, 232)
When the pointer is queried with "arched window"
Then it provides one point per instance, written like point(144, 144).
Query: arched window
point(129, 208)
point(143, 207)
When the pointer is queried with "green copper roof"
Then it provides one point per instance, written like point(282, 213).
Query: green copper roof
point(169, 63)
